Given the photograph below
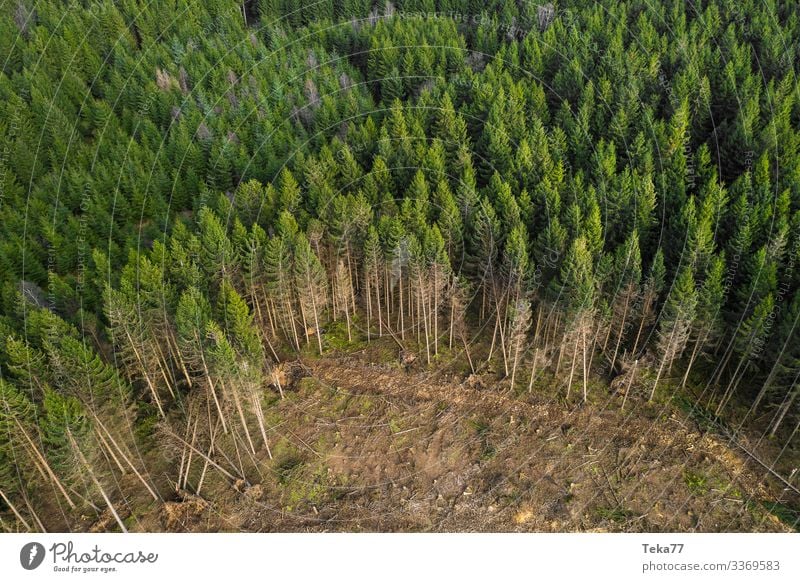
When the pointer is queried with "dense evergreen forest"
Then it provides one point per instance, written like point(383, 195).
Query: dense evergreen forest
point(562, 197)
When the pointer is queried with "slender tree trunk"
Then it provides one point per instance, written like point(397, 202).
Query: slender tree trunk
point(97, 484)
point(723, 365)
point(240, 411)
point(646, 304)
point(183, 459)
point(435, 312)
point(334, 295)
point(178, 357)
point(425, 322)
point(349, 333)
point(316, 315)
point(191, 454)
point(14, 510)
point(572, 368)
point(207, 457)
point(630, 381)
point(494, 339)
point(695, 351)
point(270, 305)
point(538, 322)
point(556, 326)
point(452, 321)
point(594, 342)
point(667, 355)
point(212, 437)
point(163, 366)
point(621, 332)
point(29, 505)
point(387, 299)
point(259, 414)
point(785, 407)
point(126, 458)
point(207, 373)
point(107, 451)
point(547, 342)
point(503, 349)
point(533, 369)
point(378, 301)
point(145, 372)
point(305, 321)
point(469, 357)
point(732, 385)
point(350, 281)
point(585, 379)
point(56, 481)
point(560, 354)
point(608, 334)
point(369, 309)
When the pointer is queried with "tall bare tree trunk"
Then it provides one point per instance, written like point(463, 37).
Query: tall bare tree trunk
point(424, 320)
point(369, 309)
point(663, 363)
point(785, 407)
point(34, 449)
point(207, 373)
point(452, 322)
point(695, 350)
point(621, 330)
point(572, 367)
point(533, 369)
point(14, 510)
point(97, 484)
point(145, 372)
point(435, 312)
point(125, 457)
point(630, 381)
point(585, 378)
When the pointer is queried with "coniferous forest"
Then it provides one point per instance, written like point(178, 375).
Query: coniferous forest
point(408, 265)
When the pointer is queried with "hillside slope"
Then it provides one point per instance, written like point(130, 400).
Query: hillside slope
point(371, 447)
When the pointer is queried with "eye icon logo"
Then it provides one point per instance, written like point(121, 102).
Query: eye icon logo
point(31, 555)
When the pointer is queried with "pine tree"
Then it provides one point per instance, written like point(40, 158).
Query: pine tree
point(749, 343)
point(449, 222)
point(652, 287)
point(278, 261)
point(192, 317)
point(216, 251)
point(439, 275)
point(65, 421)
point(72, 445)
point(707, 325)
point(22, 462)
point(676, 321)
point(577, 291)
point(628, 267)
point(239, 324)
point(520, 321)
point(289, 195)
point(225, 368)
point(372, 278)
point(137, 350)
point(781, 383)
point(311, 283)
point(451, 128)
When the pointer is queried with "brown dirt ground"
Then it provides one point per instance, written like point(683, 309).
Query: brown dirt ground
point(360, 446)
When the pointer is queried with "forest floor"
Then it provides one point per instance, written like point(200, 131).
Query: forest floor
point(365, 446)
